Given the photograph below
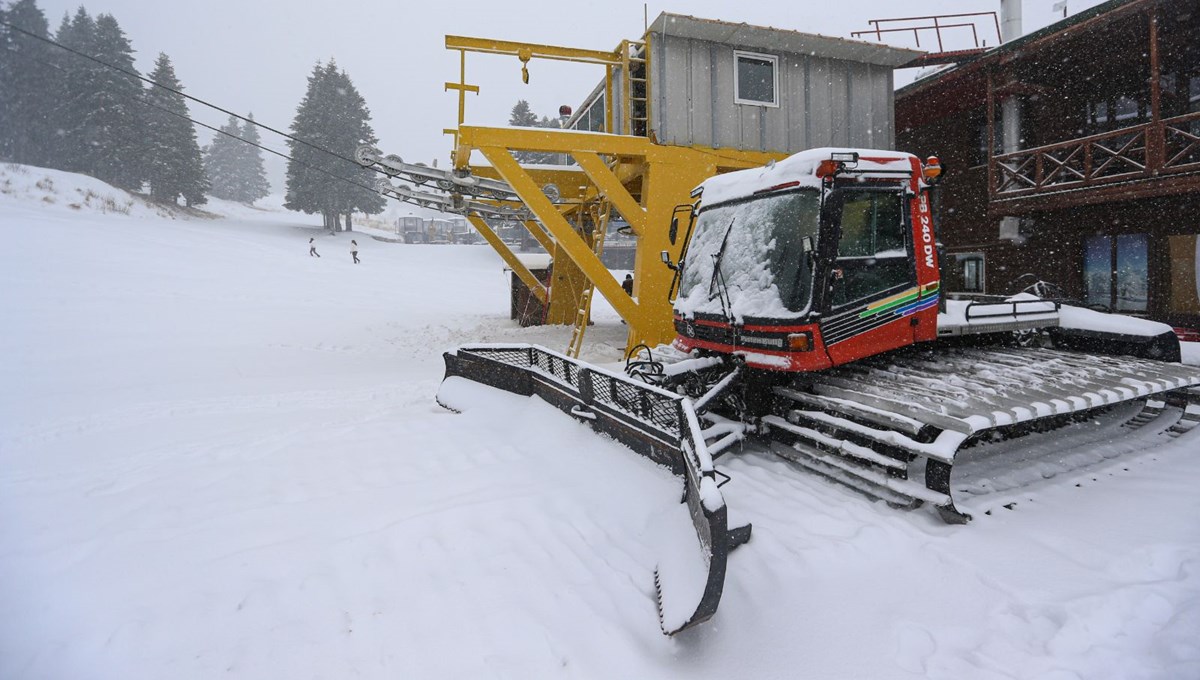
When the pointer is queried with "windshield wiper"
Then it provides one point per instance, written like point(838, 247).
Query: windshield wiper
point(718, 278)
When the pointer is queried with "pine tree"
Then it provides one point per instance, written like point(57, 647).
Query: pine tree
point(523, 116)
point(254, 175)
point(222, 161)
point(351, 118)
point(71, 150)
point(27, 86)
point(304, 183)
point(116, 119)
point(173, 163)
point(234, 165)
point(332, 116)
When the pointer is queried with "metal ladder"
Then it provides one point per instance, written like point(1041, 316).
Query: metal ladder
point(636, 89)
point(584, 313)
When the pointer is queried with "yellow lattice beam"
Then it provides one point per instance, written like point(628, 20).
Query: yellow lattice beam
point(565, 237)
point(527, 51)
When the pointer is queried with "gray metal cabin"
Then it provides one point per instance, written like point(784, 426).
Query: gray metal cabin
point(731, 85)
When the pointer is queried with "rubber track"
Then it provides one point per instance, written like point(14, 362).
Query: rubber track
point(916, 410)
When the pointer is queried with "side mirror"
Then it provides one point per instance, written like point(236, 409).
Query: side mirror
point(666, 259)
point(687, 209)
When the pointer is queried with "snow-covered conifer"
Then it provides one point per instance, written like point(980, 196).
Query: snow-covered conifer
point(331, 119)
point(116, 119)
point(27, 83)
point(221, 162)
point(173, 163)
point(73, 92)
point(254, 184)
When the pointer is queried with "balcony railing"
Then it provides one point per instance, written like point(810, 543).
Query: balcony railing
point(1143, 151)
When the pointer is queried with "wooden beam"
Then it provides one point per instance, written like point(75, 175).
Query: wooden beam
point(1155, 142)
point(1156, 187)
point(991, 132)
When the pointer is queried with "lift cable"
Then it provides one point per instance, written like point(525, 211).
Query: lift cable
point(135, 74)
point(147, 102)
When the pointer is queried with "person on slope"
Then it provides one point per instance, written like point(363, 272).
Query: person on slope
point(354, 250)
point(312, 248)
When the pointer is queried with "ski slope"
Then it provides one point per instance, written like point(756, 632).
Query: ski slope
point(221, 457)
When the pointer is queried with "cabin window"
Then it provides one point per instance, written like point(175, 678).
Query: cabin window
point(756, 79)
point(872, 256)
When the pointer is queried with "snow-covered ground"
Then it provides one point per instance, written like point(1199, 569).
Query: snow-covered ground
point(219, 456)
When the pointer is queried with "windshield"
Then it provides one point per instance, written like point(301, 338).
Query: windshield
point(755, 250)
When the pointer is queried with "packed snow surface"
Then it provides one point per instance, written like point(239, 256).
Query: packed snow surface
point(220, 457)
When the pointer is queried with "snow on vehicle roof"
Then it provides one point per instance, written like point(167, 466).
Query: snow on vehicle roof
point(801, 168)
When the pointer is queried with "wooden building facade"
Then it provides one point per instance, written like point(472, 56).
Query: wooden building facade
point(1073, 156)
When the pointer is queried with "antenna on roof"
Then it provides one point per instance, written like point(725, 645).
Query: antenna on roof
point(645, 17)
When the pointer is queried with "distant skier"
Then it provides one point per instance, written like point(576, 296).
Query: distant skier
point(627, 284)
point(354, 250)
point(312, 248)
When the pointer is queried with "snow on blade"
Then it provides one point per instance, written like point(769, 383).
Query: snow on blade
point(682, 573)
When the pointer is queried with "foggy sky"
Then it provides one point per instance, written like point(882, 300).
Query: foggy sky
point(256, 55)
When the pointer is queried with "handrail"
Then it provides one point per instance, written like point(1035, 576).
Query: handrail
point(1015, 312)
point(1070, 142)
point(936, 26)
point(1145, 150)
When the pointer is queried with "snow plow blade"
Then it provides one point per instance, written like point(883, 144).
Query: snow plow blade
point(655, 423)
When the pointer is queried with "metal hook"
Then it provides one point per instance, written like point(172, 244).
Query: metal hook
point(525, 54)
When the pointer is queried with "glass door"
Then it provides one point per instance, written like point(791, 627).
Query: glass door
point(1116, 272)
point(1132, 280)
point(1097, 271)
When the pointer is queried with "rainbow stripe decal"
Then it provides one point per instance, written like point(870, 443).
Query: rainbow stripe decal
point(905, 303)
point(881, 312)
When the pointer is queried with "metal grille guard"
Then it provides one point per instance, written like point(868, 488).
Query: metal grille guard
point(655, 423)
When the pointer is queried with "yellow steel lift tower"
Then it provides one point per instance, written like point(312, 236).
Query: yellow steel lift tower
point(820, 91)
point(628, 174)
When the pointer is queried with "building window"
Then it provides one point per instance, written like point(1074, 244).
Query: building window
point(592, 118)
point(1126, 110)
point(981, 142)
point(1194, 102)
point(1116, 274)
point(756, 79)
point(971, 265)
